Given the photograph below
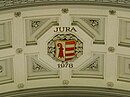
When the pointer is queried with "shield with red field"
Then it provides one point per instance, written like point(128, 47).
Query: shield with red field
point(65, 50)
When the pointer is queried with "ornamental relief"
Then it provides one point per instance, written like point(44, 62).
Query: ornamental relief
point(94, 23)
point(38, 69)
point(63, 49)
point(64, 45)
point(94, 27)
point(92, 68)
point(35, 28)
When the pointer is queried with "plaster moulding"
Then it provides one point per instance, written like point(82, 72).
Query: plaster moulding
point(5, 34)
point(35, 28)
point(37, 69)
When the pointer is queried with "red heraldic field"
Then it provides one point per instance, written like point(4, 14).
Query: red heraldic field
point(65, 49)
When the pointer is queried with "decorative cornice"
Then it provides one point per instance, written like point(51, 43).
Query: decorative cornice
point(68, 91)
point(8, 4)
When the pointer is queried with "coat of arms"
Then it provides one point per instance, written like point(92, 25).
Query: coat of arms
point(65, 47)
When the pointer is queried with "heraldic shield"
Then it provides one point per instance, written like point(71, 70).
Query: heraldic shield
point(65, 49)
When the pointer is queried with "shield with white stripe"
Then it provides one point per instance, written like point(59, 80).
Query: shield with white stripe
point(65, 50)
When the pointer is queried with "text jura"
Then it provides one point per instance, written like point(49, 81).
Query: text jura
point(65, 29)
